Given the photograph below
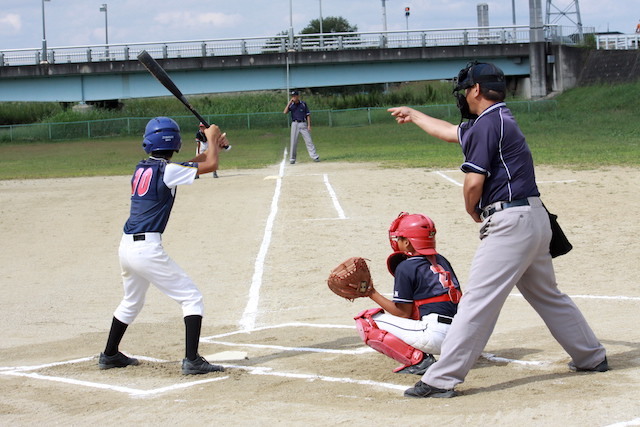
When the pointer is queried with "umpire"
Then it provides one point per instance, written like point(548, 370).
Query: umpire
point(500, 192)
point(300, 125)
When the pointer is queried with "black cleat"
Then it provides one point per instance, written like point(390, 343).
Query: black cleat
point(601, 367)
point(419, 368)
point(424, 390)
point(118, 360)
point(199, 366)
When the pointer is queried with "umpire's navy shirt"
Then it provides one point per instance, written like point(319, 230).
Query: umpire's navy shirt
point(299, 111)
point(493, 145)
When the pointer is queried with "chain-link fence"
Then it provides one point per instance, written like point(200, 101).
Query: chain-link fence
point(134, 126)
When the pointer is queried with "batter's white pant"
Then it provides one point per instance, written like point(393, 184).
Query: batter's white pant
point(514, 251)
point(300, 128)
point(425, 334)
point(145, 262)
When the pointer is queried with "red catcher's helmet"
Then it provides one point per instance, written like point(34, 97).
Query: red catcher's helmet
point(419, 229)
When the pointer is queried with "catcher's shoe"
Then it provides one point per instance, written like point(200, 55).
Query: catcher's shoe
point(601, 367)
point(215, 174)
point(118, 360)
point(424, 390)
point(418, 368)
point(199, 366)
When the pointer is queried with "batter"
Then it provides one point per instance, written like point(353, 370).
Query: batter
point(142, 257)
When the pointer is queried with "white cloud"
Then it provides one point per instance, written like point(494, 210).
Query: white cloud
point(11, 22)
point(181, 19)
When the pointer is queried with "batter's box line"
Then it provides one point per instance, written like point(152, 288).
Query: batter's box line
point(444, 175)
point(362, 350)
point(22, 371)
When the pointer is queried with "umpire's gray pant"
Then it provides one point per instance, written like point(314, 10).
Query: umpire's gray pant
point(301, 128)
point(514, 251)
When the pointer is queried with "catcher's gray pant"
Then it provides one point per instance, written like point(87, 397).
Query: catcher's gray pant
point(300, 128)
point(514, 251)
point(144, 262)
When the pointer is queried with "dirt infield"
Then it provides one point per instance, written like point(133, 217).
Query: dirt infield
point(260, 245)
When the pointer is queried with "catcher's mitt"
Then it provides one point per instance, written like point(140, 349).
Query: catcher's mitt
point(351, 279)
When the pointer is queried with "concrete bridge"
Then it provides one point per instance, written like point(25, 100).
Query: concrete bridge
point(536, 62)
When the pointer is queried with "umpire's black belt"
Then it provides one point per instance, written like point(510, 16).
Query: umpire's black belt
point(498, 206)
point(299, 121)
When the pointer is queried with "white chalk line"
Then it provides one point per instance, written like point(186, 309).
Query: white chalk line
point(444, 175)
point(250, 313)
point(334, 198)
point(365, 349)
point(315, 377)
point(603, 297)
point(22, 371)
point(634, 422)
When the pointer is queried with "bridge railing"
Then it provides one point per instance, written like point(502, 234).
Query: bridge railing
point(618, 41)
point(282, 44)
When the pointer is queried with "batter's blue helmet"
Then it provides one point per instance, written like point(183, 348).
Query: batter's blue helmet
point(161, 133)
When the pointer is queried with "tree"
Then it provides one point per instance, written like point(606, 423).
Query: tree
point(331, 24)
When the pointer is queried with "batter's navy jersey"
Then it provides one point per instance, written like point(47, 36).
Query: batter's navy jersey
point(299, 111)
point(153, 191)
point(493, 145)
point(416, 280)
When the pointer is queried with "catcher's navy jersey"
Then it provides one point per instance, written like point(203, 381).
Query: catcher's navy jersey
point(493, 145)
point(416, 280)
point(153, 190)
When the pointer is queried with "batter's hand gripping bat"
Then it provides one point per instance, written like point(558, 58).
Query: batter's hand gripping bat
point(161, 75)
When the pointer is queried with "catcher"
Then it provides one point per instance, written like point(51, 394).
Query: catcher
point(411, 327)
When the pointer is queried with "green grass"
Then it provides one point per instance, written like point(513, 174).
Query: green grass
point(591, 128)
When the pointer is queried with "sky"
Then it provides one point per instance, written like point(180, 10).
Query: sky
point(81, 23)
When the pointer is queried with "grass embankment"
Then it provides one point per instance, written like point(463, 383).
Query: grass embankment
point(592, 127)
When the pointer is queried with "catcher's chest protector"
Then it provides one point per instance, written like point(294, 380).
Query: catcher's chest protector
point(383, 341)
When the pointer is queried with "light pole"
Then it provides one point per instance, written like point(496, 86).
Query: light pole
point(384, 16)
point(103, 8)
point(407, 12)
point(321, 30)
point(384, 23)
point(290, 24)
point(44, 38)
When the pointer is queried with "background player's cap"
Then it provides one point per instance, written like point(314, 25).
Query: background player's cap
point(294, 92)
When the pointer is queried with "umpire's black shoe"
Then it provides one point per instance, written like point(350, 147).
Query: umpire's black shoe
point(424, 390)
point(418, 368)
point(199, 366)
point(118, 360)
point(601, 367)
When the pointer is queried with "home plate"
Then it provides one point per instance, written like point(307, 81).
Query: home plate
point(227, 355)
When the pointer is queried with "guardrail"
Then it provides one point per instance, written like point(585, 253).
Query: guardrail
point(618, 41)
point(284, 43)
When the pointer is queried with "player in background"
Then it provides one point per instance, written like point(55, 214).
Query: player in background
point(300, 125)
point(501, 193)
point(201, 143)
point(142, 257)
point(425, 298)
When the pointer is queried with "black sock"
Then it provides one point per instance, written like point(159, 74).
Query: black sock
point(115, 336)
point(192, 324)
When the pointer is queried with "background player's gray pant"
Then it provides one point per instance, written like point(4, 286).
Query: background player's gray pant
point(301, 128)
point(514, 251)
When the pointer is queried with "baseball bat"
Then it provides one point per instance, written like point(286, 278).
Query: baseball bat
point(161, 75)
